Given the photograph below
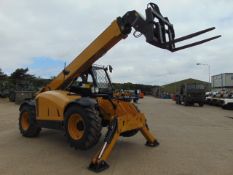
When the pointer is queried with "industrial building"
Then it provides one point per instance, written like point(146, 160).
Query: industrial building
point(172, 88)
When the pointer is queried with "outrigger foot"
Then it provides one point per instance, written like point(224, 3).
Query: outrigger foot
point(98, 167)
point(152, 144)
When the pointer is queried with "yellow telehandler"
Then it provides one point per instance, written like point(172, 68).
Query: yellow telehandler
point(80, 99)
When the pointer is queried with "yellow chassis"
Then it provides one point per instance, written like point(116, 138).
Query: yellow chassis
point(122, 117)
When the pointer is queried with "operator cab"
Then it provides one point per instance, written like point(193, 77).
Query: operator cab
point(94, 82)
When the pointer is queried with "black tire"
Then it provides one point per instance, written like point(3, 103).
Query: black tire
point(225, 107)
point(186, 103)
point(179, 101)
point(90, 127)
point(201, 104)
point(12, 97)
point(32, 130)
point(129, 133)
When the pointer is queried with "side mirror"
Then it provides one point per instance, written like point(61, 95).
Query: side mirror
point(110, 68)
point(66, 72)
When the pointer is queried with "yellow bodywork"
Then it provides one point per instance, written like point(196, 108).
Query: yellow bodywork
point(50, 105)
point(127, 113)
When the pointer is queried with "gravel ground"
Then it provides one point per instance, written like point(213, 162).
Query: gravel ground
point(193, 141)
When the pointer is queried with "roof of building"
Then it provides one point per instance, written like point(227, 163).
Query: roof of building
point(222, 74)
point(173, 87)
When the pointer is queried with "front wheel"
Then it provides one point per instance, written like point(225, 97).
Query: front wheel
point(82, 127)
point(27, 122)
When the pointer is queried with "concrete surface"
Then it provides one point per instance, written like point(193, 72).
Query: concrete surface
point(194, 141)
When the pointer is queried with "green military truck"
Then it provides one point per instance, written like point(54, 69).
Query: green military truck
point(4, 91)
point(21, 90)
point(189, 94)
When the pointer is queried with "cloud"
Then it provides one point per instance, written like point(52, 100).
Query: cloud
point(60, 30)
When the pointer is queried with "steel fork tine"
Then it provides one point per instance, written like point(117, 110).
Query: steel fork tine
point(195, 43)
point(192, 35)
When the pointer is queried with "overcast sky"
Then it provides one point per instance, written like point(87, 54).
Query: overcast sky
point(42, 35)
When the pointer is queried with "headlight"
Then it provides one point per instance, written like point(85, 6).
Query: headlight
point(94, 90)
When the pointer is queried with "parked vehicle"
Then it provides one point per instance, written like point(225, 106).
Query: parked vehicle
point(222, 98)
point(21, 91)
point(129, 95)
point(189, 94)
point(4, 92)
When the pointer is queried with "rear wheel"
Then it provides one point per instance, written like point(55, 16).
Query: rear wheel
point(201, 104)
point(82, 127)
point(27, 122)
point(12, 97)
point(177, 100)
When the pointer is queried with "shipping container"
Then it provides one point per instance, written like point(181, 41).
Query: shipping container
point(222, 81)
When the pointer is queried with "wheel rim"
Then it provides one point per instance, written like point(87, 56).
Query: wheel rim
point(25, 121)
point(76, 126)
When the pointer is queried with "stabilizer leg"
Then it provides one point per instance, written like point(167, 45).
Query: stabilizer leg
point(118, 126)
point(151, 140)
point(98, 163)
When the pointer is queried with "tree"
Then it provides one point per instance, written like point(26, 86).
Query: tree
point(21, 74)
point(2, 75)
